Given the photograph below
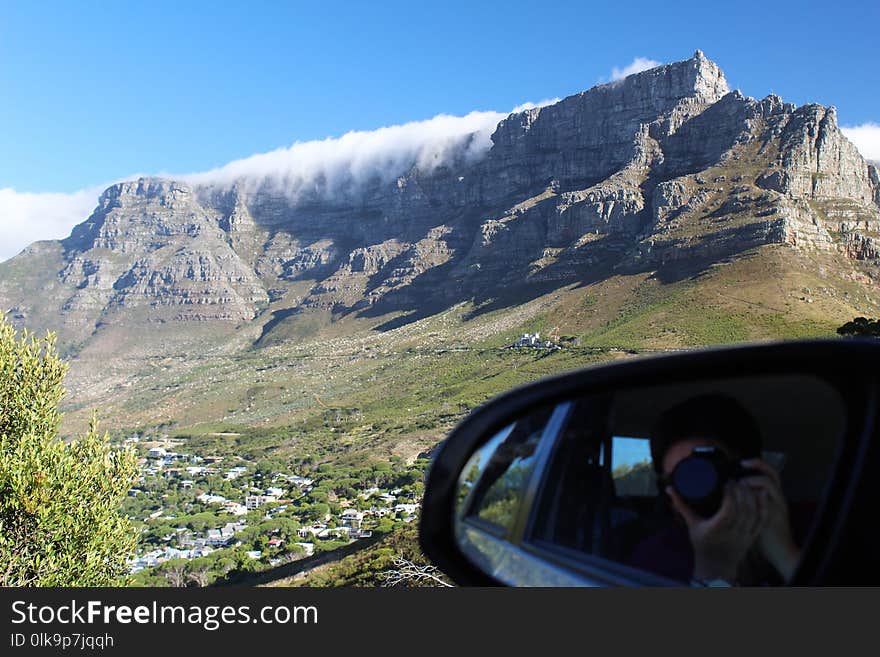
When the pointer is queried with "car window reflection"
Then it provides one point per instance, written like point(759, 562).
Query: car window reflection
point(495, 479)
point(741, 474)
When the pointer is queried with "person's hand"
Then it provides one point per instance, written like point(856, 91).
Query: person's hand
point(721, 542)
point(775, 541)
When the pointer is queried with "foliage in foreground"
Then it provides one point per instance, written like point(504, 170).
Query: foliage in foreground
point(371, 566)
point(59, 502)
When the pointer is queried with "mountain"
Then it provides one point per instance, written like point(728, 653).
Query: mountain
point(626, 199)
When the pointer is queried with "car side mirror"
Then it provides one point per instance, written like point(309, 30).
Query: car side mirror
point(746, 465)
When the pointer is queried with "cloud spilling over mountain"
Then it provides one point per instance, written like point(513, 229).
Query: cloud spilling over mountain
point(637, 65)
point(319, 169)
point(341, 166)
point(330, 167)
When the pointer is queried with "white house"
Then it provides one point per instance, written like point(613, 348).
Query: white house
point(234, 508)
point(219, 537)
point(231, 528)
point(256, 501)
point(235, 473)
point(352, 518)
point(313, 530)
point(209, 498)
point(534, 341)
point(308, 548)
point(333, 532)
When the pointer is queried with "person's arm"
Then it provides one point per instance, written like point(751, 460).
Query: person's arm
point(721, 542)
point(775, 540)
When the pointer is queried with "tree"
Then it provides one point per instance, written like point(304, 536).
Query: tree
point(199, 577)
point(175, 572)
point(198, 571)
point(409, 573)
point(861, 327)
point(318, 511)
point(268, 467)
point(60, 520)
point(319, 496)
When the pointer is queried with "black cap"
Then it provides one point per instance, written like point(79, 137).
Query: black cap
point(715, 417)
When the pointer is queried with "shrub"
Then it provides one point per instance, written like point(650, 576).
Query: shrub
point(861, 327)
point(59, 502)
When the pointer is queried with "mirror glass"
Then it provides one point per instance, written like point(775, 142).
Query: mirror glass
point(712, 483)
point(497, 474)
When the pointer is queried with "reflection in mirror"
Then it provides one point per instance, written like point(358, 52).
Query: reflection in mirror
point(497, 474)
point(714, 483)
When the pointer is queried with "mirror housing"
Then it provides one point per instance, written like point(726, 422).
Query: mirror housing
point(836, 552)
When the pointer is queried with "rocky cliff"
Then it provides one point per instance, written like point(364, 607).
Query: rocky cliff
point(662, 167)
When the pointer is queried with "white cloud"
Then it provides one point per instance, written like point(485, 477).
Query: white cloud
point(338, 167)
point(530, 105)
point(341, 165)
point(637, 65)
point(866, 138)
point(27, 217)
point(323, 168)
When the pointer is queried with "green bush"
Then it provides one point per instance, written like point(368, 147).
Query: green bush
point(59, 502)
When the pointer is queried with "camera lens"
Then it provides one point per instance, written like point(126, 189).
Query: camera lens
point(695, 478)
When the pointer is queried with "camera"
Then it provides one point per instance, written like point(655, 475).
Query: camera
point(700, 478)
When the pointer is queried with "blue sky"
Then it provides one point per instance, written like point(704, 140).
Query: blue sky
point(92, 92)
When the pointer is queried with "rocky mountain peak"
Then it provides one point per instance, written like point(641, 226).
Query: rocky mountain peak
point(642, 97)
point(709, 81)
point(147, 188)
point(697, 78)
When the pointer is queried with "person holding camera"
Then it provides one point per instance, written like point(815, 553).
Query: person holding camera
point(728, 501)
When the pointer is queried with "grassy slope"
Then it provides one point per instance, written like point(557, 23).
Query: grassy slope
point(400, 390)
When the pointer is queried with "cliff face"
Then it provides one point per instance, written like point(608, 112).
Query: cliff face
point(664, 166)
point(150, 243)
point(591, 136)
